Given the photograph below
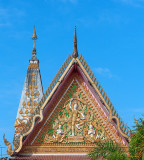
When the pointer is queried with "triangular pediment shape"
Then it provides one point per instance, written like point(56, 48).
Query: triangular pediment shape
point(59, 124)
point(74, 119)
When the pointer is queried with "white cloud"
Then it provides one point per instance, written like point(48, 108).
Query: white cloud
point(104, 72)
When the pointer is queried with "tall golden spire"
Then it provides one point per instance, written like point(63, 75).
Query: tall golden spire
point(75, 52)
point(34, 37)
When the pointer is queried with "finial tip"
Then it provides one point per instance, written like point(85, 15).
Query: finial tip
point(34, 36)
point(75, 52)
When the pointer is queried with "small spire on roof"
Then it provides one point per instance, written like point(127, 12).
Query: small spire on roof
point(75, 52)
point(34, 37)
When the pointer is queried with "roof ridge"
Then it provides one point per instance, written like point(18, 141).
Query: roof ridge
point(56, 78)
point(125, 129)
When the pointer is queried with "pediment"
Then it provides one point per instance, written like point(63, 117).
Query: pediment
point(42, 132)
point(74, 122)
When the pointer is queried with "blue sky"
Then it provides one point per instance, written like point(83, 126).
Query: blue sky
point(110, 36)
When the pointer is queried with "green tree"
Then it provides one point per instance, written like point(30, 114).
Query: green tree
point(136, 146)
point(108, 150)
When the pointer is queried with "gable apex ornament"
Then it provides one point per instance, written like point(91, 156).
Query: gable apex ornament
point(75, 51)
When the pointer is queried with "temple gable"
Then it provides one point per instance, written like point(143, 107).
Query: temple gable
point(69, 118)
point(74, 119)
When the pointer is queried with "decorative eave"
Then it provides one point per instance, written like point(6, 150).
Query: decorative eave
point(123, 129)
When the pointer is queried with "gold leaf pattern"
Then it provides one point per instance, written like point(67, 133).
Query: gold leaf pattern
point(32, 94)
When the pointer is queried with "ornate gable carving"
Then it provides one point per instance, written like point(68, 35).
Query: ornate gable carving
point(73, 122)
point(76, 121)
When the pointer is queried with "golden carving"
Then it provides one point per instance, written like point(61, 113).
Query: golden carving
point(19, 124)
point(29, 107)
point(33, 66)
point(60, 139)
point(7, 143)
point(75, 122)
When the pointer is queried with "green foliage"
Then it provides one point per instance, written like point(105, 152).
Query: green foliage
point(112, 151)
point(136, 147)
point(108, 150)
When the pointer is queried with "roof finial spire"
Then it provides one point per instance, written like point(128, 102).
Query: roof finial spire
point(75, 52)
point(34, 37)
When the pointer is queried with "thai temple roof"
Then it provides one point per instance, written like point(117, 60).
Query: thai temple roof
point(33, 102)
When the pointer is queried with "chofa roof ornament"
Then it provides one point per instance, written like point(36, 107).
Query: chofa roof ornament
point(75, 51)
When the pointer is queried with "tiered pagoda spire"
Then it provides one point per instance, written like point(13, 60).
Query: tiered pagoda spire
point(32, 91)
